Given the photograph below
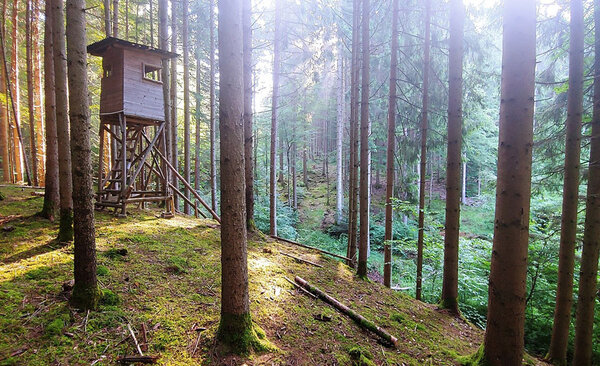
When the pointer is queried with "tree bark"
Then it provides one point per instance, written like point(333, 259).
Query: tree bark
point(452, 229)
point(391, 147)
point(65, 232)
point(463, 197)
point(186, 105)
point(339, 186)
point(18, 148)
point(591, 234)
point(568, 230)
point(31, 91)
point(273, 173)
point(198, 114)
point(235, 323)
point(107, 27)
point(173, 90)
point(365, 182)
point(248, 139)
point(85, 290)
point(51, 195)
point(354, 112)
point(37, 95)
point(163, 43)
point(213, 124)
point(115, 20)
point(4, 130)
point(503, 343)
point(423, 159)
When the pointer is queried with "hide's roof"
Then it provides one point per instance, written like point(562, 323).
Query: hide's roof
point(98, 48)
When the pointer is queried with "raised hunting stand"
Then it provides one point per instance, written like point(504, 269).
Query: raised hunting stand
point(132, 113)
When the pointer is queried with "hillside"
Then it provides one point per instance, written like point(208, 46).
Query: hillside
point(165, 274)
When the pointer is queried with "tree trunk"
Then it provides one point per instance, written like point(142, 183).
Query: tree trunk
point(163, 43)
point(463, 197)
point(186, 105)
point(304, 168)
point(198, 114)
point(423, 159)
point(326, 162)
point(4, 132)
point(391, 147)
point(339, 185)
point(51, 196)
point(363, 251)
point(37, 95)
point(455, 71)
point(85, 290)
point(115, 20)
point(127, 20)
point(173, 80)
point(503, 344)
point(591, 234)
point(18, 148)
point(353, 169)
point(31, 91)
point(568, 229)
point(248, 139)
point(235, 324)
point(107, 27)
point(273, 173)
point(151, 3)
point(65, 232)
point(213, 125)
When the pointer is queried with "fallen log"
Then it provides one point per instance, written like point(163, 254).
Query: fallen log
point(359, 319)
point(309, 247)
point(140, 359)
point(300, 259)
point(300, 288)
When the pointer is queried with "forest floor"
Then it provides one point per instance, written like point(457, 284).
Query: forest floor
point(164, 276)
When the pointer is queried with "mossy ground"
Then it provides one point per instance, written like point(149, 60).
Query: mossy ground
point(169, 280)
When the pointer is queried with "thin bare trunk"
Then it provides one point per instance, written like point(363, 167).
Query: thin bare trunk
point(163, 43)
point(423, 159)
point(391, 147)
point(107, 27)
point(365, 183)
point(15, 91)
point(273, 174)
point(353, 169)
point(186, 105)
point(198, 116)
point(30, 91)
point(566, 259)
point(62, 123)
point(339, 186)
point(39, 150)
point(455, 70)
point(586, 297)
point(213, 123)
point(115, 19)
point(173, 91)
point(51, 195)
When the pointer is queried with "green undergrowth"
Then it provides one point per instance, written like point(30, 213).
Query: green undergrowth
point(164, 276)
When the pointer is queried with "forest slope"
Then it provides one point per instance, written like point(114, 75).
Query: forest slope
point(169, 280)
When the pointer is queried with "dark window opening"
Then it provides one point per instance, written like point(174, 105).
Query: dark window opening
point(152, 73)
point(107, 71)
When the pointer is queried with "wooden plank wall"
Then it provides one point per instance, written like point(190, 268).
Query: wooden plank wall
point(111, 95)
point(141, 98)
